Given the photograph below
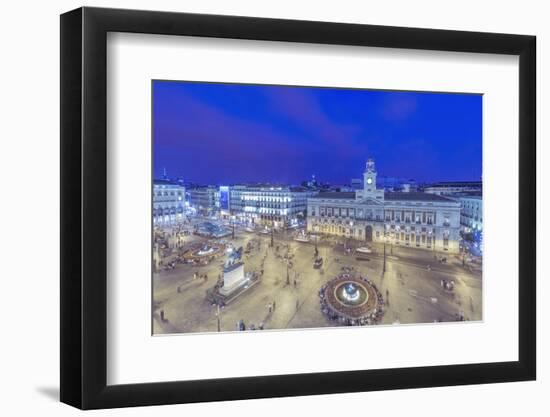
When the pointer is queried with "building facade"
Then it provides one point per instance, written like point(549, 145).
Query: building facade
point(203, 199)
point(274, 206)
point(471, 221)
point(471, 213)
point(452, 188)
point(168, 202)
point(413, 219)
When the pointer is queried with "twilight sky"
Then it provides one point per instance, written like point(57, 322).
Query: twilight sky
point(213, 133)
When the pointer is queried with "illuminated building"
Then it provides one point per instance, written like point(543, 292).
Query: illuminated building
point(456, 187)
point(203, 199)
point(471, 218)
point(272, 205)
point(168, 202)
point(412, 219)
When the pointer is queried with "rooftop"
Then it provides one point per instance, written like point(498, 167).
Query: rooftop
point(162, 181)
point(457, 184)
point(415, 197)
point(473, 195)
point(272, 187)
point(336, 194)
point(387, 196)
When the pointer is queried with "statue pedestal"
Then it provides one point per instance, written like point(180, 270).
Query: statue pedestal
point(235, 282)
point(233, 278)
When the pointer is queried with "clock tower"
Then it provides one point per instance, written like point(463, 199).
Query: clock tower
point(369, 179)
point(369, 191)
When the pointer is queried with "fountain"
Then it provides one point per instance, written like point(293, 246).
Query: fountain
point(351, 300)
point(350, 293)
point(206, 250)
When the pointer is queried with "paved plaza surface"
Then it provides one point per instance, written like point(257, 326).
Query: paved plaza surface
point(411, 285)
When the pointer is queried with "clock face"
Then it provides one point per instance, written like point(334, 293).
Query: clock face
point(369, 181)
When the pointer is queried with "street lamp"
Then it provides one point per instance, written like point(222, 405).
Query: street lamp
point(386, 238)
point(218, 317)
point(384, 266)
point(287, 275)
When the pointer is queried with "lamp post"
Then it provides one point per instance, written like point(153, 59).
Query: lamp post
point(384, 266)
point(287, 275)
point(218, 317)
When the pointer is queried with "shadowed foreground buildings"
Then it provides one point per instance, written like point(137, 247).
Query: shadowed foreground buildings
point(414, 219)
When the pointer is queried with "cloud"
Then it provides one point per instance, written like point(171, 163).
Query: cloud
point(303, 108)
point(398, 107)
point(201, 135)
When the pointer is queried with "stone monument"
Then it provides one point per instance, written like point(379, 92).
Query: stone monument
point(233, 272)
point(234, 282)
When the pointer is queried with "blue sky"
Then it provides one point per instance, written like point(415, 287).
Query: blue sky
point(213, 133)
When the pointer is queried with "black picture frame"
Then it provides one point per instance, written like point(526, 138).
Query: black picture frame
point(84, 207)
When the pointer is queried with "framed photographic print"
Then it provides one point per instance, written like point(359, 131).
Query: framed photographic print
point(258, 207)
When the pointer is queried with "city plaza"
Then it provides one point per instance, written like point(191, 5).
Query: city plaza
point(358, 257)
point(287, 296)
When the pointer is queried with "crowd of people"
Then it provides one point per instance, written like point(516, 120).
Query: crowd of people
point(365, 314)
point(241, 326)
